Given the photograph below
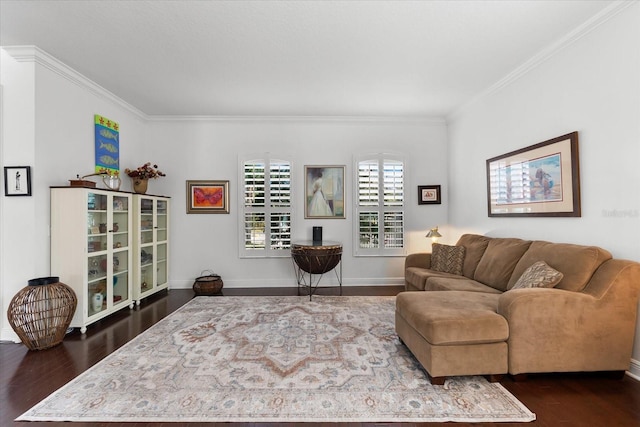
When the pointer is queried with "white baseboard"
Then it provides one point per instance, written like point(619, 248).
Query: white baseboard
point(8, 334)
point(634, 370)
point(291, 283)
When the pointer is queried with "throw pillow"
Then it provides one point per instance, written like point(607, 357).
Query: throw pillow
point(447, 259)
point(538, 275)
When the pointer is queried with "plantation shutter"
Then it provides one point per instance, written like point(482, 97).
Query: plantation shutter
point(380, 206)
point(266, 210)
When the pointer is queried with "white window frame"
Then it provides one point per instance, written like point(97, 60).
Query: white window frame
point(268, 210)
point(380, 208)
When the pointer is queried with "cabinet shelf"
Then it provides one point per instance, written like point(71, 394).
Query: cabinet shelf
point(96, 279)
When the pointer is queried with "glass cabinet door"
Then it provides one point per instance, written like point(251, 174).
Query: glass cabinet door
point(151, 245)
point(161, 239)
point(97, 241)
point(146, 245)
point(108, 251)
point(120, 244)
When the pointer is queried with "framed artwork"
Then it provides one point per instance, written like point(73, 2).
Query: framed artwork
point(207, 197)
point(429, 195)
point(17, 181)
point(324, 192)
point(539, 180)
point(107, 144)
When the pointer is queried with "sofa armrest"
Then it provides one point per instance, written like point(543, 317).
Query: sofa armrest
point(419, 259)
point(553, 330)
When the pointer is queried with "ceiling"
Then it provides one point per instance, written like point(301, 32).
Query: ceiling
point(294, 58)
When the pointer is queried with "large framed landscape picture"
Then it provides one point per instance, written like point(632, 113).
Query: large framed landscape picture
point(539, 180)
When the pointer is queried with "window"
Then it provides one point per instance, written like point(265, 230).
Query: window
point(266, 207)
point(379, 205)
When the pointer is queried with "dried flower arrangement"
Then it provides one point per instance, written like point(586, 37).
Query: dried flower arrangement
point(145, 171)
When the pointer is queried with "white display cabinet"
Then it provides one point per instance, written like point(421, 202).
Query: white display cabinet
point(91, 249)
point(151, 245)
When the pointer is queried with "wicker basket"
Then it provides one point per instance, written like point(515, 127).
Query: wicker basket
point(41, 312)
point(208, 284)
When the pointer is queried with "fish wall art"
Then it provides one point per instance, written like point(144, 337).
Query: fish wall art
point(107, 142)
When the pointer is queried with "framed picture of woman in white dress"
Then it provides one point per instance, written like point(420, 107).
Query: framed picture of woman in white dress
point(324, 192)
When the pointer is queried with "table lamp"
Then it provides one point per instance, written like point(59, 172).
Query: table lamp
point(434, 235)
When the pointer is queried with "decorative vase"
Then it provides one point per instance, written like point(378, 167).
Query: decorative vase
point(41, 312)
point(140, 185)
point(111, 182)
point(96, 302)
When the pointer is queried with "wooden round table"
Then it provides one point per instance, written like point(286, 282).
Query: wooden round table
point(311, 260)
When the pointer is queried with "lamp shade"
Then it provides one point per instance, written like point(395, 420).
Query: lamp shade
point(433, 233)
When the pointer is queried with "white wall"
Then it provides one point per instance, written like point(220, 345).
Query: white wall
point(209, 149)
point(591, 86)
point(18, 149)
point(48, 124)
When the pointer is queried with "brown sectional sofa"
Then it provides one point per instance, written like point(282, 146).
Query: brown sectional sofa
point(474, 323)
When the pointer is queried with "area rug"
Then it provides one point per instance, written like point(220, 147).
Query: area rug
point(273, 359)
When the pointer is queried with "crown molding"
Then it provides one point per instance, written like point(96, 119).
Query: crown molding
point(299, 119)
point(40, 57)
point(576, 34)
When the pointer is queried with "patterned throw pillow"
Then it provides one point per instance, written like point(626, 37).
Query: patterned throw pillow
point(539, 275)
point(448, 259)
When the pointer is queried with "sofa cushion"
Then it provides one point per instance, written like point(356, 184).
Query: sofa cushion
point(418, 276)
point(447, 259)
point(452, 317)
point(576, 262)
point(538, 275)
point(460, 283)
point(499, 260)
point(474, 245)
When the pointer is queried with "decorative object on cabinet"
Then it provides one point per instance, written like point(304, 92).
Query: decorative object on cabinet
point(140, 176)
point(539, 180)
point(87, 249)
point(17, 181)
point(151, 245)
point(208, 284)
point(207, 197)
point(41, 312)
point(140, 185)
point(429, 195)
point(107, 143)
point(112, 181)
point(324, 192)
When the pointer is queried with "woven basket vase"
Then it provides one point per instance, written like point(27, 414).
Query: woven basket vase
point(41, 312)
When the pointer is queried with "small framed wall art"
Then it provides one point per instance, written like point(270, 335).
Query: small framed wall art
point(17, 181)
point(429, 195)
point(207, 197)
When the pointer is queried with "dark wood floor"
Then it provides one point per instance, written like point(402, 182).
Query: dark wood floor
point(27, 377)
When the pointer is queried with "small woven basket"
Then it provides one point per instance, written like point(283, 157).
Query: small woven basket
point(41, 312)
point(208, 284)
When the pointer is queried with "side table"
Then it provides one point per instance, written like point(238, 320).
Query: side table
point(312, 259)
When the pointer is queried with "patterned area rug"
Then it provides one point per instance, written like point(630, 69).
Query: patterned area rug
point(273, 359)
